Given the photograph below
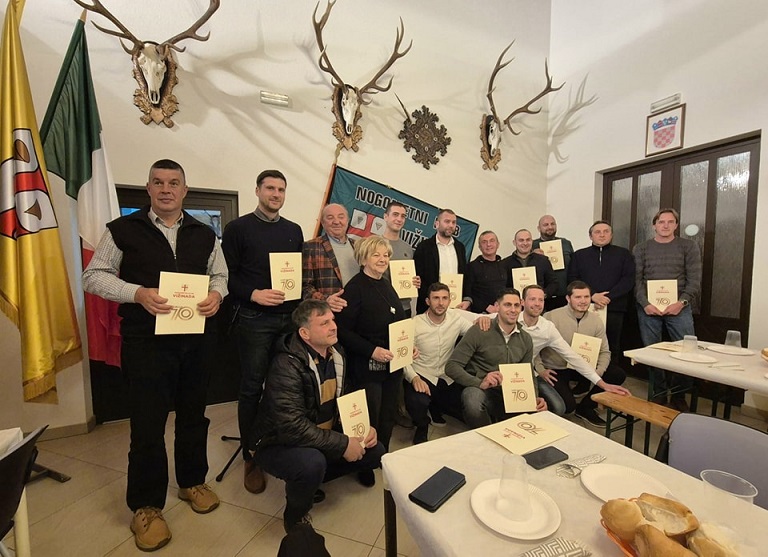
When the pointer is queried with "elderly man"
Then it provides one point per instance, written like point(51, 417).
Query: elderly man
point(667, 257)
point(610, 272)
point(558, 372)
point(547, 228)
point(263, 315)
point(474, 363)
point(524, 256)
point(299, 436)
point(328, 261)
point(486, 276)
point(438, 255)
point(168, 371)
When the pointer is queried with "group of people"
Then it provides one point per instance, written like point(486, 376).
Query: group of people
point(299, 356)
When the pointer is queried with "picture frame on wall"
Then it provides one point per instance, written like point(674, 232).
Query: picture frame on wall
point(664, 131)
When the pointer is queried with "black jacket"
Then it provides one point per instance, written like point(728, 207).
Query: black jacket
point(610, 268)
point(544, 274)
point(426, 259)
point(288, 412)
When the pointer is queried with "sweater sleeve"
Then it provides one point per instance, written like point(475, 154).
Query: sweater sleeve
point(692, 272)
point(455, 368)
point(627, 280)
point(641, 288)
point(231, 245)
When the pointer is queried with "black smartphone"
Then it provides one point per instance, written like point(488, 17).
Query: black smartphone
point(544, 457)
point(437, 489)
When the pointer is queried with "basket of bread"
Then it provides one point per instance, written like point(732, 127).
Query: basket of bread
point(653, 526)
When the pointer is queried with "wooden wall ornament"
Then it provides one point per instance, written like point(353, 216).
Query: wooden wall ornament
point(348, 99)
point(154, 64)
point(423, 136)
point(492, 125)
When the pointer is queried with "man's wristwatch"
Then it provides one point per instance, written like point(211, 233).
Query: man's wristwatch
point(685, 303)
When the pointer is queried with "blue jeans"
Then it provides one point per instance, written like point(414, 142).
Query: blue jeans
point(305, 468)
point(555, 402)
point(677, 326)
point(256, 335)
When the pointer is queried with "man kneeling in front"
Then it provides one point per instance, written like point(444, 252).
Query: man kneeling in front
point(298, 424)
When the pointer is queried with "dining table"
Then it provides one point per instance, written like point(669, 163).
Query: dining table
point(8, 439)
point(456, 529)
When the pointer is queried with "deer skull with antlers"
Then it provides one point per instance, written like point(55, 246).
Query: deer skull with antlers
point(492, 126)
point(154, 66)
point(347, 99)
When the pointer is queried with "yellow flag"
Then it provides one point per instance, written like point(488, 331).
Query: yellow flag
point(34, 287)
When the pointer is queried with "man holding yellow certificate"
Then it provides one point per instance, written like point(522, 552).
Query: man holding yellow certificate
point(667, 257)
point(298, 436)
point(474, 363)
point(164, 370)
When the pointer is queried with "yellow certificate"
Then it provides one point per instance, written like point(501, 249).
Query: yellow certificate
point(554, 250)
point(601, 313)
point(523, 434)
point(454, 283)
point(401, 274)
point(401, 335)
point(353, 411)
point(522, 277)
point(662, 293)
point(517, 388)
point(285, 269)
point(184, 292)
point(587, 347)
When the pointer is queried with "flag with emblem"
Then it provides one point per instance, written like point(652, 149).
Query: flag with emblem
point(34, 286)
point(74, 151)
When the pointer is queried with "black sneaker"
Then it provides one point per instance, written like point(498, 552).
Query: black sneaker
point(366, 478)
point(306, 519)
point(590, 415)
point(436, 419)
point(420, 436)
point(319, 496)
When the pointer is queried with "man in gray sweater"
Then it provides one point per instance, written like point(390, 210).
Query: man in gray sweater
point(474, 363)
point(667, 257)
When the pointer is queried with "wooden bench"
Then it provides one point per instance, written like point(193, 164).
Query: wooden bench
point(634, 409)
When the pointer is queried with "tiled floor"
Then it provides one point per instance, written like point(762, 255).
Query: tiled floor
point(87, 516)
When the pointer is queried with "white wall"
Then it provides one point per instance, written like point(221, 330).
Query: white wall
point(224, 136)
point(712, 52)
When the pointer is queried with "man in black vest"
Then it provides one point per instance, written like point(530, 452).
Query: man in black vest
point(442, 253)
point(168, 370)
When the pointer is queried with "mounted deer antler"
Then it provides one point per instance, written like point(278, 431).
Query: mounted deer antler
point(151, 62)
point(347, 99)
point(492, 125)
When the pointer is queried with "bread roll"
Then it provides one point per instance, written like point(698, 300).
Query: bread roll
point(652, 542)
point(622, 517)
point(710, 541)
point(672, 517)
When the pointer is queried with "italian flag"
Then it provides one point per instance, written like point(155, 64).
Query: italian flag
point(74, 151)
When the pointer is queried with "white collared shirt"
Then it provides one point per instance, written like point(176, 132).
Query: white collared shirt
point(449, 262)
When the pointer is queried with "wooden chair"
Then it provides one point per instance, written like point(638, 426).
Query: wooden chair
point(633, 409)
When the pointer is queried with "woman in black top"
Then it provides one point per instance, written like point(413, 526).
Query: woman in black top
point(372, 304)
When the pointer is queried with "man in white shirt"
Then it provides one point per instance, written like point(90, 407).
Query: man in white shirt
point(545, 335)
point(427, 386)
point(571, 319)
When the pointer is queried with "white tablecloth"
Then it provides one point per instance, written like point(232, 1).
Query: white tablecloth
point(752, 377)
point(8, 437)
point(454, 530)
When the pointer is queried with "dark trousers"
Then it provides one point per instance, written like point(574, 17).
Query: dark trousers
point(256, 336)
point(381, 397)
point(165, 372)
point(613, 375)
point(614, 325)
point(443, 398)
point(304, 469)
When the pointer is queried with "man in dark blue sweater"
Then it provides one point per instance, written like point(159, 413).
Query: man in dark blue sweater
point(263, 315)
point(610, 272)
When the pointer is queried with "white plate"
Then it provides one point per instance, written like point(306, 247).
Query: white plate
point(545, 515)
point(694, 357)
point(611, 481)
point(732, 350)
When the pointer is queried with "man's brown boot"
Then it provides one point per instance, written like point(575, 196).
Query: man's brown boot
point(150, 529)
point(253, 478)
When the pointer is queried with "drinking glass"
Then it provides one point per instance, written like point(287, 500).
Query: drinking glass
point(730, 483)
point(514, 499)
point(690, 343)
point(733, 338)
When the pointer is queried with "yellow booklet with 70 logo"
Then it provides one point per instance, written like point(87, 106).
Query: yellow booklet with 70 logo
point(184, 292)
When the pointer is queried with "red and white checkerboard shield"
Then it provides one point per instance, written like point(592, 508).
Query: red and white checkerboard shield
point(664, 136)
